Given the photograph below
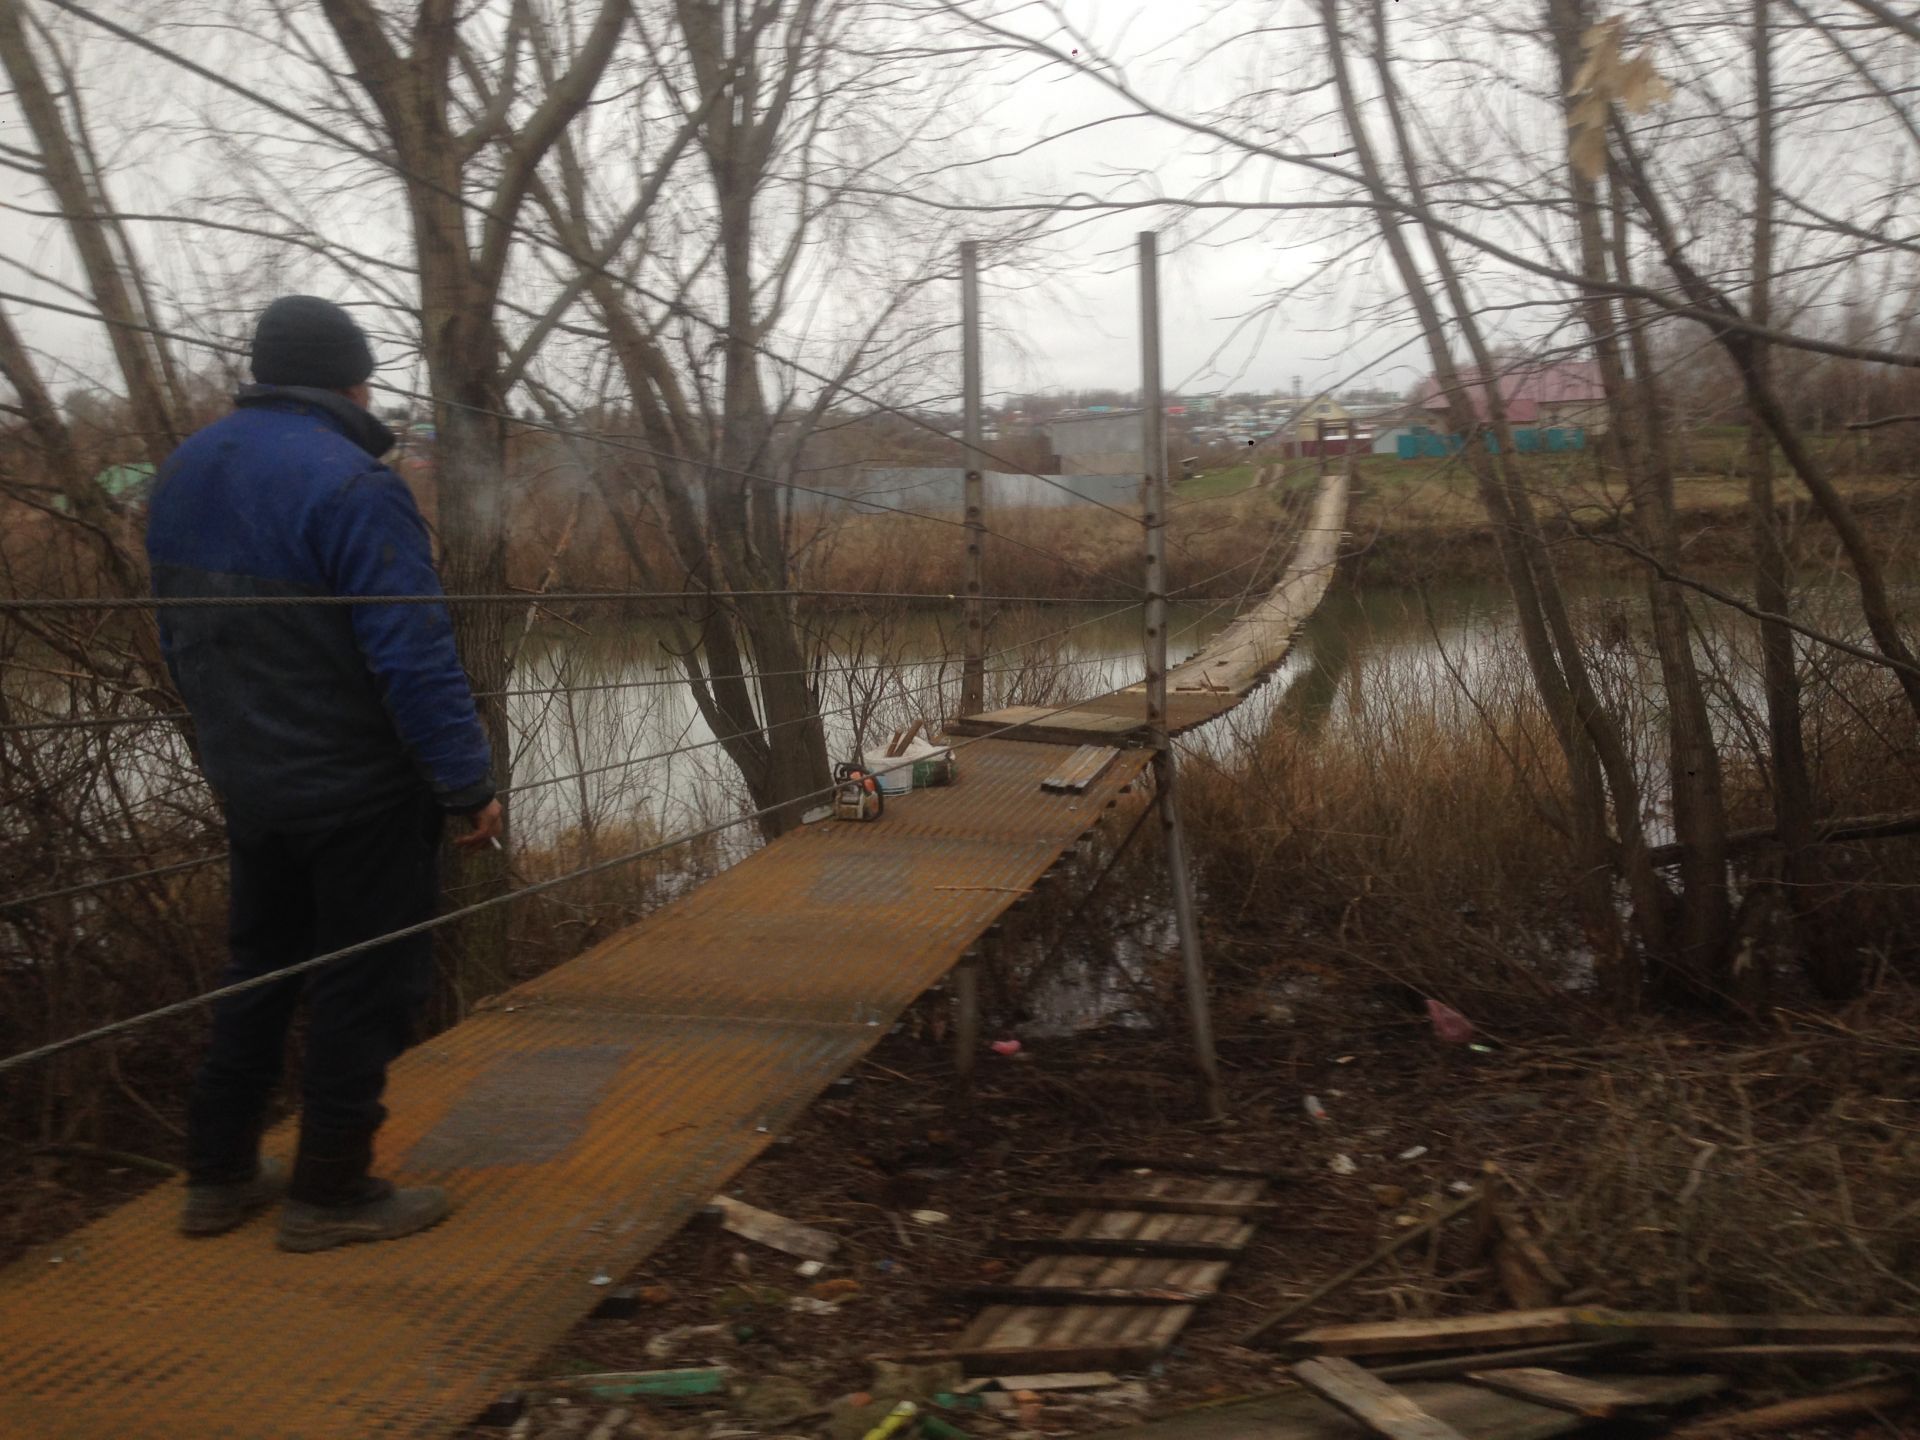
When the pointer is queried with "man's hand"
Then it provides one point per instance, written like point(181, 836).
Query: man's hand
point(487, 825)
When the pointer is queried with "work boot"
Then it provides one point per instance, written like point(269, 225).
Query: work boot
point(390, 1215)
point(216, 1209)
point(333, 1200)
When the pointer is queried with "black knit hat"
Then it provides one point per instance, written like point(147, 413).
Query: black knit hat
point(304, 340)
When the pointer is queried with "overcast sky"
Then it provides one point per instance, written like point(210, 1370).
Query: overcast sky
point(1075, 325)
point(1066, 317)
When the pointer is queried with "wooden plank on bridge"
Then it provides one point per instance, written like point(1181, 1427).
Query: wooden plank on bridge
point(1081, 768)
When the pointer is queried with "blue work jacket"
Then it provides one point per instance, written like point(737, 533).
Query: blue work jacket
point(309, 716)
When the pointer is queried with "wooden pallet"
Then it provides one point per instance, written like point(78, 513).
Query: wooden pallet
point(1121, 1279)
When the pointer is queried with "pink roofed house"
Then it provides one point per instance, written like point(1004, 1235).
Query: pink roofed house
point(1561, 395)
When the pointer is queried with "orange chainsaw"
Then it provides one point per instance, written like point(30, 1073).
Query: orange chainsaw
point(857, 794)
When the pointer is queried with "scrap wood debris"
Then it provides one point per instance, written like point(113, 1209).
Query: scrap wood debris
point(1493, 1376)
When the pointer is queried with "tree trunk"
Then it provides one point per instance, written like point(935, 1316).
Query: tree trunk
point(135, 351)
point(1697, 954)
point(1545, 632)
point(1702, 952)
point(1793, 809)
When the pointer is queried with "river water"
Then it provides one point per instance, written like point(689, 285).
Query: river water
point(607, 740)
point(595, 706)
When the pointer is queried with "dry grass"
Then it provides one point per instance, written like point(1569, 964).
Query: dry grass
point(1414, 839)
point(1775, 1174)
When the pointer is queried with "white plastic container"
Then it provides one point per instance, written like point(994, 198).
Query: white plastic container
point(895, 776)
point(895, 772)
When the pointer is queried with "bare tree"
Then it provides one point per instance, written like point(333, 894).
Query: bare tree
point(768, 91)
point(111, 269)
point(1793, 805)
point(409, 76)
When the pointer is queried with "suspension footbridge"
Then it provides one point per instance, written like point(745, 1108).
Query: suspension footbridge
point(580, 1119)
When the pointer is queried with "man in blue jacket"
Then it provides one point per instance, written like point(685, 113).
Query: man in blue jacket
point(338, 737)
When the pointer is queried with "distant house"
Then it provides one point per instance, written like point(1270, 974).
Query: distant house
point(1564, 395)
point(1321, 410)
point(1107, 443)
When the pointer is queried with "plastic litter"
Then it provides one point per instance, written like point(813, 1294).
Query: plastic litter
point(1343, 1165)
point(1315, 1110)
point(1005, 1047)
point(1412, 1152)
point(895, 1422)
point(1449, 1025)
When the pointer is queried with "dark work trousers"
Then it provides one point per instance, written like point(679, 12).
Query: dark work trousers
point(297, 895)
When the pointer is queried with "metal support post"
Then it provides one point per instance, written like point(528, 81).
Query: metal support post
point(973, 665)
point(1154, 497)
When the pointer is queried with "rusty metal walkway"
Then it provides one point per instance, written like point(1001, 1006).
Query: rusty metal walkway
point(1227, 669)
point(582, 1118)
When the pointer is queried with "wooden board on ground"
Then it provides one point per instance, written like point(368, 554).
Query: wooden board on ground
point(1808, 1410)
point(1119, 1246)
point(1656, 1328)
point(1447, 1367)
point(1465, 1332)
point(1079, 1295)
point(1598, 1397)
point(1737, 1355)
point(1149, 1227)
point(1199, 1277)
point(1476, 1413)
point(1119, 1281)
point(1081, 768)
point(1371, 1401)
point(777, 1232)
